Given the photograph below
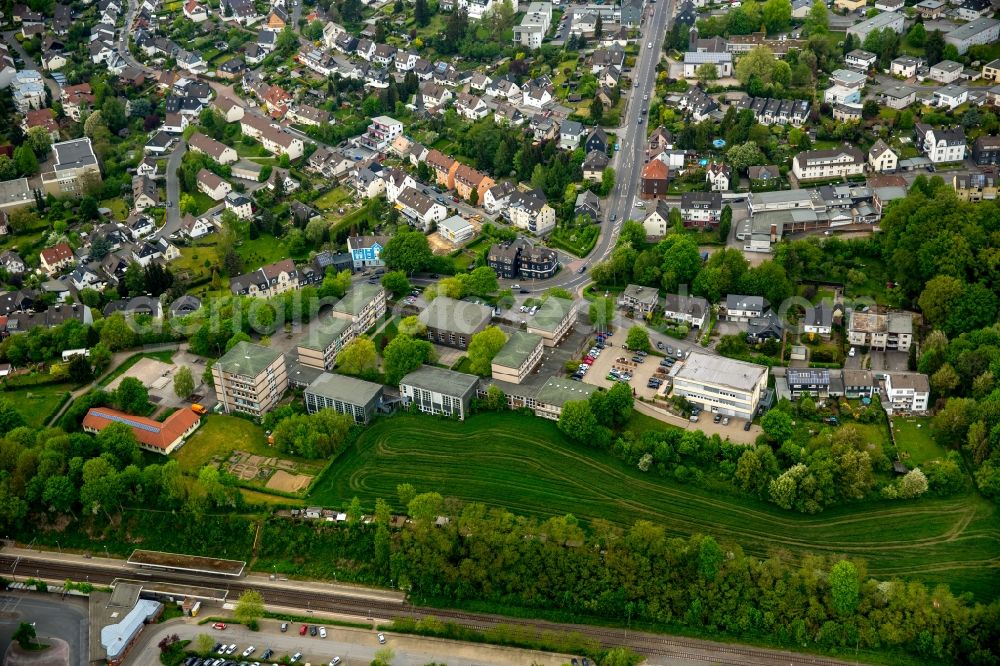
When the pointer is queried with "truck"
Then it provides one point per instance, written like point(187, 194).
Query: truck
point(199, 409)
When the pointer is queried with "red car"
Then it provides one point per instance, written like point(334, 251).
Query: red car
point(588, 360)
point(219, 625)
point(303, 629)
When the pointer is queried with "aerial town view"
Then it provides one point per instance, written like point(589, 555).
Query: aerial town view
point(499, 332)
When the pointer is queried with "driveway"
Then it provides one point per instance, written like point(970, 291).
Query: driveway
point(31, 63)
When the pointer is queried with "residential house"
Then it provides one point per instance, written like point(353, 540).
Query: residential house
point(54, 259)
point(861, 60)
point(420, 210)
point(570, 134)
point(897, 97)
point(469, 182)
point(940, 145)
point(456, 230)
point(825, 164)
point(471, 107)
point(594, 166)
point(587, 205)
point(144, 193)
point(194, 228)
point(657, 221)
point(881, 158)
point(274, 139)
point(212, 185)
point(741, 308)
point(74, 167)
point(195, 11)
point(906, 392)
point(368, 182)
point(991, 70)
point(531, 212)
point(693, 311)
point(496, 197)
point(701, 209)
point(950, 96)
point(654, 180)
point(975, 186)
point(946, 71)
point(818, 319)
point(904, 66)
point(303, 114)
point(895, 21)
point(597, 139)
point(717, 175)
point(267, 281)
point(444, 168)
point(366, 251)
point(520, 259)
point(642, 300)
point(986, 150)
point(893, 330)
point(983, 30)
point(240, 204)
point(218, 151)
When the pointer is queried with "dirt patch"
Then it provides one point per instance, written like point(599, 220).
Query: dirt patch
point(289, 483)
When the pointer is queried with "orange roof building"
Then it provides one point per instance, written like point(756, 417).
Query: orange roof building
point(655, 178)
point(152, 435)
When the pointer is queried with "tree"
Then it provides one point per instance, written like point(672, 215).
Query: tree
point(596, 110)
point(384, 656)
point(755, 470)
point(913, 485)
point(40, 141)
point(759, 62)
point(100, 357)
point(777, 425)
point(249, 608)
point(938, 297)
point(405, 492)
point(412, 326)
point(601, 312)
point(59, 494)
point(777, 15)
point(10, 417)
point(706, 72)
point(421, 13)
point(396, 282)
point(844, 587)
point(25, 635)
point(131, 396)
point(917, 35)
point(742, 157)
point(944, 381)
point(725, 225)
point(934, 47)
point(203, 644)
point(183, 382)
point(483, 347)
point(817, 21)
point(25, 160)
point(710, 558)
point(335, 284)
point(577, 421)
point(358, 357)
point(407, 251)
point(638, 339)
point(79, 369)
point(403, 355)
point(870, 109)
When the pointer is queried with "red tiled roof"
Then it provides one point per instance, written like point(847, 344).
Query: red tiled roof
point(147, 431)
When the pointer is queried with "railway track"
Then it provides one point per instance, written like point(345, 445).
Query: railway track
point(103, 572)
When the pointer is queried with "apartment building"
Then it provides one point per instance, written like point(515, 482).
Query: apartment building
point(439, 391)
point(363, 306)
point(355, 397)
point(267, 281)
point(940, 145)
point(535, 23)
point(250, 379)
point(823, 164)
point(324, 339)
point(519, 259)
point(274, 139)
point(518, 358)
point(381, 133)
point(641, 299)
point(906, 392)
point(721, 385)
point(881, 331)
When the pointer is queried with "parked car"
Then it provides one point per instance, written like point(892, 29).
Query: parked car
point(852, 352)
point(746, 426)
point(303, 629)
point(219, 625)
point(296, 657)
point(313, 630)
point(322, 632)
point(249, 651)
point(381, 638)
point(725, 420)
point(284, 627)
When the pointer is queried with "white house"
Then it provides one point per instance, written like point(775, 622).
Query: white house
point(455, 229)
point(212, 185)
point(907, 392)
point(881, 158)
point(946, 71)
point(950, 96)
point(941, 144)
point(717, 175)
point(832, 163)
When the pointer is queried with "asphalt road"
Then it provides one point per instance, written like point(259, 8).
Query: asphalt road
point(173, 221)
point(53, 618)
point(31, 63)
point(628, 161)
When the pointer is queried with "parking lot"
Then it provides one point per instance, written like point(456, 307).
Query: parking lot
point(614, 356)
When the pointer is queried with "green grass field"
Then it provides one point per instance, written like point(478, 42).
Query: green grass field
point(36, 403)
point(216, 437)
point(524, 464)
point(916, 441)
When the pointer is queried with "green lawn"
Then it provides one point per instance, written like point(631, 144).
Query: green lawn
point(335, 198)
point(119, 210)
point(524, 464)
point(913, 437)
point(262, 251)
point(198, 260)
point(217, 436)
point(37, 403)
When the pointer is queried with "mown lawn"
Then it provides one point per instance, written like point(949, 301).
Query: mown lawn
point(913, 436)
point(219, 435)
point(335, 198)
point(524, 464)
point(37, 403)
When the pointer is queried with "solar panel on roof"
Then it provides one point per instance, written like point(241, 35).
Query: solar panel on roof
point(128, 422)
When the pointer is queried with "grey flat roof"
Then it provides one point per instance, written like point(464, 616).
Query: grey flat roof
point(247, 359)
point(558, 391)
point(441, 380)
point(73, 154)
point(447, 314)
point(552, 312)
point(116, 638)
point(518, 348)
point(14, 191)
point(347, 389)
point(717, 370)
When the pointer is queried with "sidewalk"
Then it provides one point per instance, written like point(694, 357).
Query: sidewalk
point(260, 579)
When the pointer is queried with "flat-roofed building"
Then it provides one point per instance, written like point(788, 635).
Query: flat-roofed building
point(363, 305)
point(639, 298)
point(893, 330)
point(250, 379)
point(721, 385)
point(453, 323)
point(553, 320)
point(439, 391)
point(319, 347)
point(907, 392)
point(808, 381)
point(159, 437)
point(518, 357)
point(15, 194)
point(546, 399)
point(355, 397)
point(75, 167)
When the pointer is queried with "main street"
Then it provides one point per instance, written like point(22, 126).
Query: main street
point(631, 139)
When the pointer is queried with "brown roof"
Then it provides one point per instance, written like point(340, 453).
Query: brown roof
point(207, 145)
point(147, 431)
point(655, 170)
point(469, 176)
point(439, 161)
point(209, 179)
point(57, 253)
